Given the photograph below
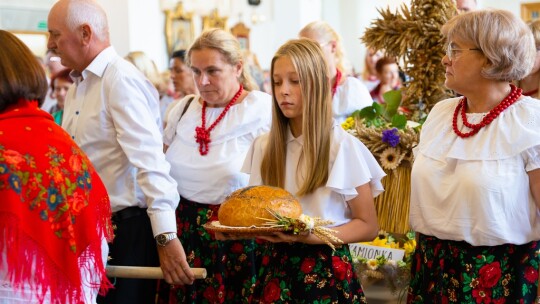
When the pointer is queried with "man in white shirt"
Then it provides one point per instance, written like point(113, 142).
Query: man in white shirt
point(110, 113)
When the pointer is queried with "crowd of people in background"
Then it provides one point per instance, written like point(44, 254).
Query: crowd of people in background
point(132, 162)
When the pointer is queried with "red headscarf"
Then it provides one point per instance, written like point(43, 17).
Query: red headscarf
point(54, 209)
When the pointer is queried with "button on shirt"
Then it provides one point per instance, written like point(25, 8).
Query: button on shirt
point(112, 113)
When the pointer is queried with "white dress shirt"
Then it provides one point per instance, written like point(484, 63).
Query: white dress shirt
point(208, 179)
point(350, 96)
point(112, 113)
point(351, 165)
point(476, 189)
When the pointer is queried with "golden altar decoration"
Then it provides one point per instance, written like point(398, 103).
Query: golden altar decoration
point(179, 29)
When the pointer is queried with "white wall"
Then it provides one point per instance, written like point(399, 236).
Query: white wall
point(138, 25)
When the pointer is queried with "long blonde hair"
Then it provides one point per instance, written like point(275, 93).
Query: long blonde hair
point(225, 43)
point(308, 60)
point(325, 33)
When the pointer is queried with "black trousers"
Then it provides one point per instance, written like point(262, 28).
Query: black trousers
point(133, 245)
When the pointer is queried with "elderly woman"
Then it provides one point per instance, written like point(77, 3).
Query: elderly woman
point(348, 93)
point(209, 136)
point(531, 83)
point(475, 199)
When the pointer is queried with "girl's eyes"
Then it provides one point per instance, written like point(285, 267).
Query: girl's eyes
point(293, 81)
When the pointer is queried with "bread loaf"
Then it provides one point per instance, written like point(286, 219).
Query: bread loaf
point(245, 207)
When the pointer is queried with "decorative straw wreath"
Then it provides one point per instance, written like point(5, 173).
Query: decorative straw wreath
point(412, 35)
point(390, 137)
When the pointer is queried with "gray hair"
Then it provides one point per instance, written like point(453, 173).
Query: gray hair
point(90, 12)
point(504, 39)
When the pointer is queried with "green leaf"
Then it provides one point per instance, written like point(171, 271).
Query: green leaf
point(379, 108)
point(392, 100)
point(356, 114)
point(368, 113)
point(399, 121)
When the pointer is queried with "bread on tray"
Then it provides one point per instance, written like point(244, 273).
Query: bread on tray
point(249, 206)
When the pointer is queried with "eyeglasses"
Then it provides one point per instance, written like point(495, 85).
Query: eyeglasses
point(452, 52)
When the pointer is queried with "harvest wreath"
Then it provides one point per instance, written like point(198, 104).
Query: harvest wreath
point(390, 137)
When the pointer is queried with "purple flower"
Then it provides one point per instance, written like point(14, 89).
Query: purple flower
point(391, 137)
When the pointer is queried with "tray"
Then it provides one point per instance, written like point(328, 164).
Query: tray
point(215, 226)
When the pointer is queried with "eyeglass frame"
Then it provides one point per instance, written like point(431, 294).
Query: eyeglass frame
point(450, 50)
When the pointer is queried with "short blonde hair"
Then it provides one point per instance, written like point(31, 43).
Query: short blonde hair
point(308, 60)
point(148, 67)
point(504, 39)
point(326, 33)
point(225, 43)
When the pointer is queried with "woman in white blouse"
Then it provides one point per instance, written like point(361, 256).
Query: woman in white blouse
point(208, 137)
point(348, 93)
point(332, 173)
point(475, 199)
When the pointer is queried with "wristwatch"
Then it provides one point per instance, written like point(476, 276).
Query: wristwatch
point(164, 238)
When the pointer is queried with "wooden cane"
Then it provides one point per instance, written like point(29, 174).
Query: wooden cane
point(133, 272)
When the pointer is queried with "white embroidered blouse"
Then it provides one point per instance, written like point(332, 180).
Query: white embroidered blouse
point(477, 189)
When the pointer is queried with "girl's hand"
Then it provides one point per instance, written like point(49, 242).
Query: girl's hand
point(280, 237)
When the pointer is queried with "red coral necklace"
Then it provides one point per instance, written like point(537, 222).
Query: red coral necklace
point(336, 83)
point(202, 135)
point(514, 95)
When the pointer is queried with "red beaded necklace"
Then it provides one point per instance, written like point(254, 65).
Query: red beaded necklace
point(336, 83)
point(514, 95)
point(202, 135)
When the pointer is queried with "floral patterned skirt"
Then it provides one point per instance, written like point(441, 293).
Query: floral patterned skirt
point(229, 264)
point(456, 272)
point(301, 273)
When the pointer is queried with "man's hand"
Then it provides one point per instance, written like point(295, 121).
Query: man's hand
point(173, 262)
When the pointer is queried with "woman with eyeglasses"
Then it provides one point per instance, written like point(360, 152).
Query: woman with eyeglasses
point(348, 93)
point(475, 199)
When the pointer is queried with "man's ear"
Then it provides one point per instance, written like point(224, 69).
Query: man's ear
point(86, 33)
